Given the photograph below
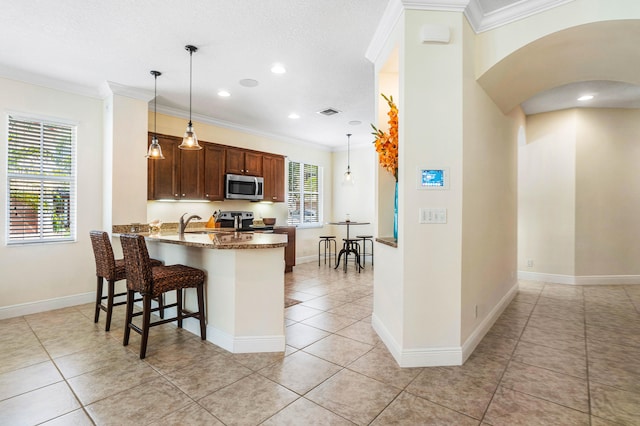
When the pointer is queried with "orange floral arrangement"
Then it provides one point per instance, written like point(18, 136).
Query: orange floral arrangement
point(387, 143)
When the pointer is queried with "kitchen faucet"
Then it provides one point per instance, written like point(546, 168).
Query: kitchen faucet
point(183, 223)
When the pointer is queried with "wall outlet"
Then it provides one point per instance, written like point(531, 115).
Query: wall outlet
point(529, 263)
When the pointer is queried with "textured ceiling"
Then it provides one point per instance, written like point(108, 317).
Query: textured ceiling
point(78, 45)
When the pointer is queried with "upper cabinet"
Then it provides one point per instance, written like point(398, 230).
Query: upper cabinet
point(178, 176)
point(214, 160)
point(273, 169)
point(200, 175)
point(243, 162)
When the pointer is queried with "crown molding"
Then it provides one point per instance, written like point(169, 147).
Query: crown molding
point(109, 87)
point(205, 119)
point(478, 19)
point(508, 14)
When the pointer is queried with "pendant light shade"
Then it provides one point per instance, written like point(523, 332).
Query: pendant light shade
point(155, 151)
point(190, 140)
point(347, 179)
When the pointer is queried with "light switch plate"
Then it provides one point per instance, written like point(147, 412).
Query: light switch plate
point(433, 215)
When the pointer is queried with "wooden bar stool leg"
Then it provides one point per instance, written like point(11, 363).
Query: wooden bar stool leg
point(98, 299)
point(203, 324)
point(179, 307)
point(111, 292)
point(127, 327)
point(146, 321)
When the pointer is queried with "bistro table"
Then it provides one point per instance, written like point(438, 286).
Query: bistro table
point(347, 247)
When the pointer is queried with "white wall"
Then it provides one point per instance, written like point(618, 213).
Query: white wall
point(547, 194)
point(607, 192)
point(578, 203)
point(489, 216)
point(56, 272)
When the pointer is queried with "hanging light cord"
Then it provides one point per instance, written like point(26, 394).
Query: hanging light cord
point(348, 152)
point(155, 103)
point(191, 50)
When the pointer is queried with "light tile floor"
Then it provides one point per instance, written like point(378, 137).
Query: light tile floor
point(558, 355)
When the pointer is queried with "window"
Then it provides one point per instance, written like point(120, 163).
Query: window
point(304, 200)
point(41, 181)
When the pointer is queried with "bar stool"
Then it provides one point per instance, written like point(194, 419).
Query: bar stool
point(152, 282)
point(364, 239)
point(110, 269)
point(326, 241)
point(351, 245)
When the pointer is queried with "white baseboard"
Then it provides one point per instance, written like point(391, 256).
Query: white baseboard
point(478, 334)
point(422, 357)
point(46, 305)
point(443, 356)
point(307, 259)
point(580, 279)
point(236, 345)
point(244, 344)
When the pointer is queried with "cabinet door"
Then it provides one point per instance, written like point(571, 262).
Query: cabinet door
point(191, 175)
point(273, 170)
point(214, 160)
point(163, 178)
point(290, 249)
point(252, 164)
point(234, 161)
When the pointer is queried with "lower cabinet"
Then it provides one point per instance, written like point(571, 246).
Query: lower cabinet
point(290, 249)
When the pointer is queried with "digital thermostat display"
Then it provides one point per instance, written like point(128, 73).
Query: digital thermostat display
point(432, 178)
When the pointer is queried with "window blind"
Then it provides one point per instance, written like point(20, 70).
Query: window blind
point(41, 181)
point(303, 202)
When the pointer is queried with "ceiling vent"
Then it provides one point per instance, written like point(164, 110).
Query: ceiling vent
point(329, 112)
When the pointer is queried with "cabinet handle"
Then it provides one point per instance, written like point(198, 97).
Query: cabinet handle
point(176, 195)
point(206, 195)
point(275, 198)
point(183, 195)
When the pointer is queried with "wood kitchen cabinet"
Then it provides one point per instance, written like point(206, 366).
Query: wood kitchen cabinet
point(214, 161)
point(243, 162)
point(290, 249)
point(179, 176)
point(273, 172)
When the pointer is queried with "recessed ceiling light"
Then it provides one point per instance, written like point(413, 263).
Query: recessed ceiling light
point(294, 116)
point(224, 94)
point(355, 122)
point(585, 98)
point(278, 69)
point(248, 82)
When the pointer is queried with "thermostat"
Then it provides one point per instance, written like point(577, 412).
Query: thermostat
point(433, 178)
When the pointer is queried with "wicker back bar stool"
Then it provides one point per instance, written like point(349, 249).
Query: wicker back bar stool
point(111, 269)
point(153, 281)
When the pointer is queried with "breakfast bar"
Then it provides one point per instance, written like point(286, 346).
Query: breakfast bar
point(244, 284)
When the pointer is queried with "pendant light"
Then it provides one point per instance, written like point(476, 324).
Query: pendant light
point(348, 176)
point(155, 151)
point(190, 140)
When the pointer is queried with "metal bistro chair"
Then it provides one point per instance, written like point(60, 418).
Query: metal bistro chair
point(326, 241)
point(110, 269)
point(154, 281)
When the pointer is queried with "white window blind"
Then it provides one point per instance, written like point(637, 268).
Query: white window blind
point(304, 198)
point(41, 181)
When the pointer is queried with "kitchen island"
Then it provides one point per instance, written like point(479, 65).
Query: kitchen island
point(244, 285)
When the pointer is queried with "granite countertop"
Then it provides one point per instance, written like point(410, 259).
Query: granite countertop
point(221, 239)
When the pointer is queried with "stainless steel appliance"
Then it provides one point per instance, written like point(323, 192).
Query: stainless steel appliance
point(239, 187)
point(241, 221)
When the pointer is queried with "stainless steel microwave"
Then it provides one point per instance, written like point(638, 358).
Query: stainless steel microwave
point(239, 187)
